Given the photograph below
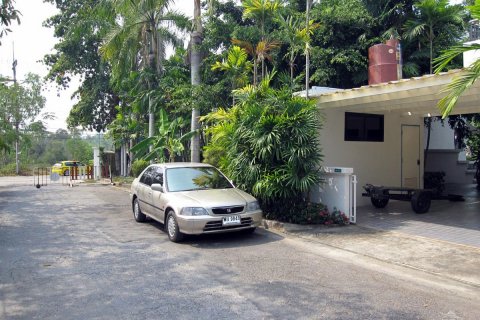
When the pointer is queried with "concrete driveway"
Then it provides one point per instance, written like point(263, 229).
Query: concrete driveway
point(77, 253)
point(457, 222)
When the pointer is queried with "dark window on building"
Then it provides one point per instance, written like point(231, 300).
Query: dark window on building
point(363, 127)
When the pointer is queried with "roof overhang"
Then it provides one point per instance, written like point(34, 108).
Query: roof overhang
point(414, 96)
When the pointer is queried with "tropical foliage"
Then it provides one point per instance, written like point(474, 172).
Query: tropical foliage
point(434, 22)
point(118, 48)
point(255, 130)
point(8, 13)
point(460, 84)
point(40, 148)
point(268, 144)
point(20, 104)
point(167, 144)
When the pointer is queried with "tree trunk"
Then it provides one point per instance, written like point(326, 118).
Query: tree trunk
point(196, 41)
point(263, 69)
point(151, 64)
point(291, 73)
point(130, 158)
point(151, 120)
point(255, 71)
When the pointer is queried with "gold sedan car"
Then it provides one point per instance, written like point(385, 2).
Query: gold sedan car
point(192, 198)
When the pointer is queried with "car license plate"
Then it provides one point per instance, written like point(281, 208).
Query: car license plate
point(231, 220)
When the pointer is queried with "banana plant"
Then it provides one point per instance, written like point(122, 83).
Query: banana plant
point(167, 143)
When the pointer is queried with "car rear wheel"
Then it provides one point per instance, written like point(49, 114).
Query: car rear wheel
point(137, 212)
point(173, 231)
point(66, 172)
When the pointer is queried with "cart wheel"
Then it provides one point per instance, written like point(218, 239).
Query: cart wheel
point(379, 202)
point(421, 202)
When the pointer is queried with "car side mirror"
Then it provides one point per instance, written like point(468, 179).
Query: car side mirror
point(157, 187)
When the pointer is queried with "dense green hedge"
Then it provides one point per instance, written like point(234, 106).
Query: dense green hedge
point(268, 143)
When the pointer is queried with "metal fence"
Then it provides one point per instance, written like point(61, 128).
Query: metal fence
point(42, 176)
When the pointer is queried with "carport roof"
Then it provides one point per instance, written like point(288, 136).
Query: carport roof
point(415, 96)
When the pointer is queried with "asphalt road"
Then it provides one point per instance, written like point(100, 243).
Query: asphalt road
point(77, 253)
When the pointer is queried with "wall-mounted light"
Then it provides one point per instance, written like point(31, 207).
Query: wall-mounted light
point(409, 113)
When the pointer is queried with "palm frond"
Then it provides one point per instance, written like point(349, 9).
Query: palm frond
point(475, 10)
point(448, 55)
point(413, 29)
point(457, 87)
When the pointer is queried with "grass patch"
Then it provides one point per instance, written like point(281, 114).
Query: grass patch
point(119, 181)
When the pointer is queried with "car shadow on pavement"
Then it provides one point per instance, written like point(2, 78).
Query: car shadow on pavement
point(223, 240)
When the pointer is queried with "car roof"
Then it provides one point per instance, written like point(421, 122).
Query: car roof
point(182, 165)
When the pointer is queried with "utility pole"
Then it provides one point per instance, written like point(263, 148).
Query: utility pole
point(14, 68)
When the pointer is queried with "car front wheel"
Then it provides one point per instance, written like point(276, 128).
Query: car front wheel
point(137, 212)
point(173, 231)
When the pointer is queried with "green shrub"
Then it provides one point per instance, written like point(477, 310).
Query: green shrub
point(435, 181)
point(10, 170)
point(311, 213)
point(268, 143)
point(138, 166)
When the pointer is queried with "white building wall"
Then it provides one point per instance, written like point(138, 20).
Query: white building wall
point(442, 137)
point(377, 163)
point(471, 56)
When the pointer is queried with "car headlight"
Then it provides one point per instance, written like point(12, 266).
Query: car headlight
point(194, 211)
point(253, 206)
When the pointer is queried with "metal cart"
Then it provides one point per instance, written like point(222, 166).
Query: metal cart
point(420, 199)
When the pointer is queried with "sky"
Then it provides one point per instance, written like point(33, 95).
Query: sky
point(31, 41)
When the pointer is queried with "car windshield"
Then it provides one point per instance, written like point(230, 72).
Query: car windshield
point(195, 178)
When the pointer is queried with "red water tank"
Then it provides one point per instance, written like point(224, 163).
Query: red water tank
point(382, 63)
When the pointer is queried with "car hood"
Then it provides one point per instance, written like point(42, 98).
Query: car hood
point(213, 198)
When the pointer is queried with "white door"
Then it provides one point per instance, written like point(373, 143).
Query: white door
point(410, 156)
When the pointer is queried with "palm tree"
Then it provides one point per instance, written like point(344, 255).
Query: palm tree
point(296, 36)
point(139, 39)
point(432, 18)
point(261, 11)
point(259, 53)
point(237, 65)
point(290, 31)
point(461, 83)
point(196, 59)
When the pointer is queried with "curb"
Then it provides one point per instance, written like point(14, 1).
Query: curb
point(286, 227)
